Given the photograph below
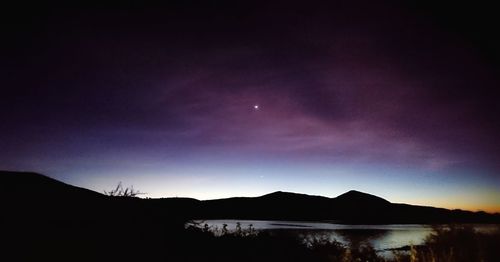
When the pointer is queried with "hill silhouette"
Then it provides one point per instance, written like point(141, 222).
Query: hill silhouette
point(48, 220)
point(356, 197)
point(351, 207)
point(28, 194)
point(45, 219)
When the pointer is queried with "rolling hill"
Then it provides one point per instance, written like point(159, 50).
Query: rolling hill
point(28, 195)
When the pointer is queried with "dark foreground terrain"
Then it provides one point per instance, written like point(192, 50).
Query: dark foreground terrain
point(46, 220)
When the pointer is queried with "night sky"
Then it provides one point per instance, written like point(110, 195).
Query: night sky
point(223, 99)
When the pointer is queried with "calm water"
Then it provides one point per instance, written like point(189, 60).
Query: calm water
point(381, 237)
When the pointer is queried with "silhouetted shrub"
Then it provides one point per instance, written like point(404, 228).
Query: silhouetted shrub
point(456, 243)
point(119, 191)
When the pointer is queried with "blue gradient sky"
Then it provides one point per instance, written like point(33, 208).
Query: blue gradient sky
point(391, 100)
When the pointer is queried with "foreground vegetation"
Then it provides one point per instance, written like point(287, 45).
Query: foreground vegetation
point(139, 239)
point(451, 243)
point(456, 243)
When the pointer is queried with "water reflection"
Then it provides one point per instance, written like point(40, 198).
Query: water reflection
point(359, 237)
point(380, 237)
point(381, 240)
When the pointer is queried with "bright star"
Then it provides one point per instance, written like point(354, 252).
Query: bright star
point(256, 107)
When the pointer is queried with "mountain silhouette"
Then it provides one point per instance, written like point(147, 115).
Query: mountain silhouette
point(28, 194)
point(26, 184)
point(356, 197)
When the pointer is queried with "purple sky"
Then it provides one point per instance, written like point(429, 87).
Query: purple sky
point(395, 100)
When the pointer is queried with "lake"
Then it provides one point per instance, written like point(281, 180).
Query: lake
point(380, 237)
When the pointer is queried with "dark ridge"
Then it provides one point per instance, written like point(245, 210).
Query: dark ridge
point(289, 195)
point(29, 184)
point(26, 195)
point(354, 196)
